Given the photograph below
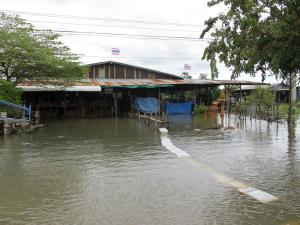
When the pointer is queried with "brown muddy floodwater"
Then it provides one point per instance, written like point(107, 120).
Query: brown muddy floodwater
point(115, 172)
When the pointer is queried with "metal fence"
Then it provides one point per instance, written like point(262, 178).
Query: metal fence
point(25, 111)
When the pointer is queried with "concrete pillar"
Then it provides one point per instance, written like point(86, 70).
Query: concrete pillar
point(6, 127)
point(36, 116)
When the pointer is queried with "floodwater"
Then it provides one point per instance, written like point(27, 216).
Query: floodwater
point(115, 172)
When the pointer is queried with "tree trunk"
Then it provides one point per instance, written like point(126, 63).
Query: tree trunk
point(292, 85)
point(290, 99)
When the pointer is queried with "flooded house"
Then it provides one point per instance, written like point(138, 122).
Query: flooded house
point(281, 92)
point(109, 89)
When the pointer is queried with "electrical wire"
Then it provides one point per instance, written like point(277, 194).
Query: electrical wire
point(140, 57)
point(111, 26)
point(149, 22)
point(127, 35)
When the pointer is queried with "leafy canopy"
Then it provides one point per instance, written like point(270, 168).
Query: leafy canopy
point(34, 54)
point(255, 36)
point(9, 92)
point(186, 75)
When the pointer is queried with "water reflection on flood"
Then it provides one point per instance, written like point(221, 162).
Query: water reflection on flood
point(115, 171)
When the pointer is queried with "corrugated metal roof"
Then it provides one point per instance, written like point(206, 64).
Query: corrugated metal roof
point(277, 87)
point(129, 82)
point(34, 88)
point(95, 84)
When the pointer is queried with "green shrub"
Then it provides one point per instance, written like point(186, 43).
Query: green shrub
point(200, 109)
point(9, 92)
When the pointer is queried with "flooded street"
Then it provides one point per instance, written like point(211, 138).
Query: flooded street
point(116, 172)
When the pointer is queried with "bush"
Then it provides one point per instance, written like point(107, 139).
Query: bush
point(283, 109)
point(262, 97)
point(200, 109)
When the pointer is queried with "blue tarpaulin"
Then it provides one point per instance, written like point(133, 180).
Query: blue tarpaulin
point(146, 105)
point(179, 108)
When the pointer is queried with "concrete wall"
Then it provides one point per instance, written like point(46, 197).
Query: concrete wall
point(9, 126)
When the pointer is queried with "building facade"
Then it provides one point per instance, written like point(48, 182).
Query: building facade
point(116, 70)
point(109, 88)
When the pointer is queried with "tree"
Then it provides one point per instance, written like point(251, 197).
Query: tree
point(256, 36)
point(9, 92)
point(34, 54)
point(203, 76)
point(186, 75)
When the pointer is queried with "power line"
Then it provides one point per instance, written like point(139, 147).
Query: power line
point(124, 35)
point(112, 26)
point(149, 22)
point(125, 52)
point(127, 35)
point(162, 52)
point(140, 57)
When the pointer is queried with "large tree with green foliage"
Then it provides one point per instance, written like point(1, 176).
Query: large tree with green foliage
point(9, 92)
point(256, 36)
point(27, 53)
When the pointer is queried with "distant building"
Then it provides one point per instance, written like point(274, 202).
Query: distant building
point(109, 88)
point(281, 91)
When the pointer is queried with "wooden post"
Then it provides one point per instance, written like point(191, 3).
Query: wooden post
point(114, 71)
point(116, 103)
point(109, 71)
point(131, 105)
point(159, 103)
point(65, 105)
point(36, 117)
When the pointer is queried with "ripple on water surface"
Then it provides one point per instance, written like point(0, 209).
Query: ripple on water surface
point(108, 171)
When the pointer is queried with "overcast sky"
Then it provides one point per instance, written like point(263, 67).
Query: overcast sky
point(164, 55)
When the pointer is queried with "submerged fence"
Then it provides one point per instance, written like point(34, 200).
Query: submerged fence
point(269, 112)
point(25, 111)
